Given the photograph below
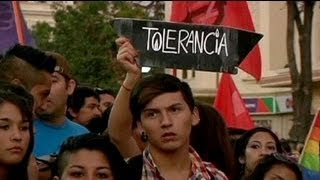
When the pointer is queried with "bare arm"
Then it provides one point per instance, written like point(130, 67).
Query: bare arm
point(120, 119)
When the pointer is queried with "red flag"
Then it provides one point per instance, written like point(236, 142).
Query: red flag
point(227, 13)
point(231, 106)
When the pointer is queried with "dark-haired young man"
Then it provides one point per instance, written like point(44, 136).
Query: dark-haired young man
point(83, 105)
point(165, 109)
point(106, 97)
point(29, 67)
point(52, 126)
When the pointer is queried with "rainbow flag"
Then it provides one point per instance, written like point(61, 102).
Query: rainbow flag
point(310, 156)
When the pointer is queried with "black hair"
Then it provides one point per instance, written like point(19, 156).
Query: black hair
point(35, 57)
point(77, 99)
point(18, 90)
point(271, 160)
point(26, 64)
point(92, 141)
point(100, 91)
point(100, 124)
point(285, 146)
point(154, 85)
point(18, 96)
point(243, 141)
point(210, 139)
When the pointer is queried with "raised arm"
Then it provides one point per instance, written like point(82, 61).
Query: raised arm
point(120, 119)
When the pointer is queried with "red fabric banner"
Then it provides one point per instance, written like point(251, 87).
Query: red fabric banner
point(234, 14)
point(231, 106)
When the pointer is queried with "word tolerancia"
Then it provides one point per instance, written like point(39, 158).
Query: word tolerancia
point(181, 41)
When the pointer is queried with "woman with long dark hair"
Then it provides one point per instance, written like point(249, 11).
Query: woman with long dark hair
point(16, 132)
point(253, 146)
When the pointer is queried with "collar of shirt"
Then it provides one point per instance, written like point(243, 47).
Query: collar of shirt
point(200, 170)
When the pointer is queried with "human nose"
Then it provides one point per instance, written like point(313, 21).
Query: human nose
point(97, 111)
point(90, 176)
point(44, 104)
point(166, 120)
point(16, 134)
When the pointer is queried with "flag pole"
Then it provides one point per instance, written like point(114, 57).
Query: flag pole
point(18, 20)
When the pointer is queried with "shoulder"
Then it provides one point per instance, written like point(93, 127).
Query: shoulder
point(136, 160)
point(135, 166)
point(76, 127)
point(40, 125)
point(214, 172)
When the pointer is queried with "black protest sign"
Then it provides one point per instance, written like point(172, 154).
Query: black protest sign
point(188, 46)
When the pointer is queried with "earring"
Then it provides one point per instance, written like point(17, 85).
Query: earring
point(144, 137)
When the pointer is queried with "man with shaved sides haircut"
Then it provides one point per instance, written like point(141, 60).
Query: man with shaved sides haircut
point(30, 68)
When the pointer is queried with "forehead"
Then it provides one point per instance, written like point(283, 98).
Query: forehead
point(280, 170)
point(106, 97)
point(87, 157)
point(91, 100)
point(262, 137)
point(10, 111)
point(57, 75)
point(166, 99)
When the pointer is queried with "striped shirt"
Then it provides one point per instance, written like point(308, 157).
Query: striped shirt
point(200, 170)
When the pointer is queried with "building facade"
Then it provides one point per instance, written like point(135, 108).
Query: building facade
point(269, 101)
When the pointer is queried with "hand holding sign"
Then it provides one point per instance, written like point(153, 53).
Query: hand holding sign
point(127, 54)
point(128, 58)
point(188, 46)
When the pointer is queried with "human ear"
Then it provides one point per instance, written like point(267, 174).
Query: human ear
point(195, 116)
point(72, 112)
point(140, 127)
point(71, 86)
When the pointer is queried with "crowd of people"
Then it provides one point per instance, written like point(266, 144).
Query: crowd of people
point(51, 127)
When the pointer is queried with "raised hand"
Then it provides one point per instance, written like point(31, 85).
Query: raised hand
point(128, 57)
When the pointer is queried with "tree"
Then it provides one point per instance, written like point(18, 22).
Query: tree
point(300, 13)
point(83, 33)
